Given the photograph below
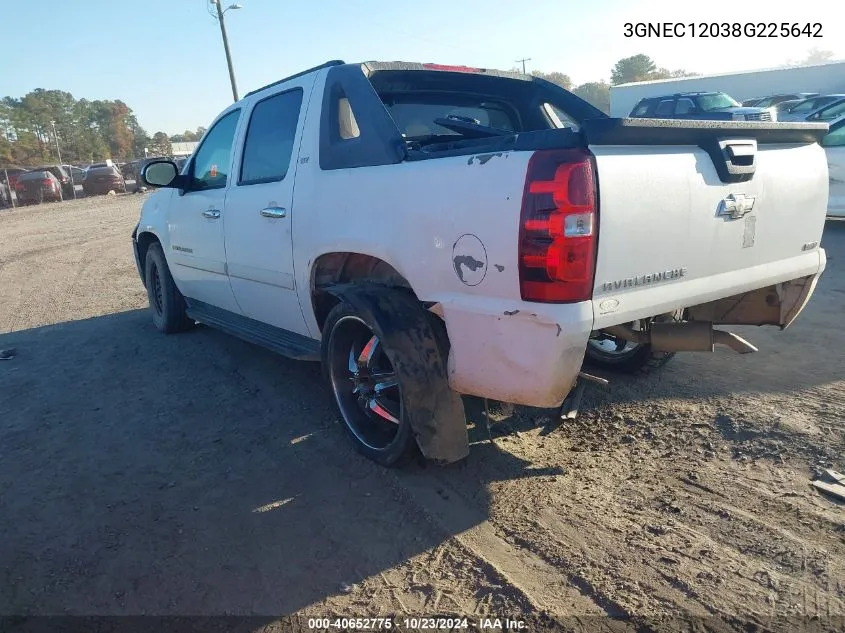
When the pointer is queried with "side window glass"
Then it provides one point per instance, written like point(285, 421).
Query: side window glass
point(836, 138)
point(558, 117)
point(346, 120)
point(806, 106)
point(642, 109)
point(665, 108)
point(210, 166)
point(684, 106)
point(269, 138)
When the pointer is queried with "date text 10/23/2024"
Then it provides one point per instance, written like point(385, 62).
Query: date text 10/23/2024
point(416, 624)
point(723, 29)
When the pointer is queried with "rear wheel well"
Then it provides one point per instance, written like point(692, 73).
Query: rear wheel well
point(333, 269)
point(144, 241)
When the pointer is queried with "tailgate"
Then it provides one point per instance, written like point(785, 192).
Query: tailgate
point(690, 212)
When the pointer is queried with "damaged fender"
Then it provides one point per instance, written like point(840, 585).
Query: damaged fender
point(418, 352)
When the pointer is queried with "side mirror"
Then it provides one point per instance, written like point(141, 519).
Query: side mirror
point(159, 173)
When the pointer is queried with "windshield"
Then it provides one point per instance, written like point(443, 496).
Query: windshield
point(719, 101)
point(831, 111)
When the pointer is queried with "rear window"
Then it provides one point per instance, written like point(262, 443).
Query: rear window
point(34, 175)
point(718, 101)
point(414, 115)
point(103, 171)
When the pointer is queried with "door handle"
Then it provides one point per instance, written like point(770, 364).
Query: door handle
point(274, 212)
point(211, 213)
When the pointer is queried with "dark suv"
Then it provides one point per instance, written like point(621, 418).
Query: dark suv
point(101, 180)
point(61, 175)
point(35, 187)
point(711, 106)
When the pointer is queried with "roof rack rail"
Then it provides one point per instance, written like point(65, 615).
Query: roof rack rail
point(334, 62)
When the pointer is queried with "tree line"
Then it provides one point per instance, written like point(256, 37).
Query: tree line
point(86, 131)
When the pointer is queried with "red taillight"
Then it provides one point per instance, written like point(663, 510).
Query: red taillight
point(47, 182)
point(557, 241)
point(20, 185)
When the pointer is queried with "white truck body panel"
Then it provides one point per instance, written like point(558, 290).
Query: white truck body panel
point(658, 211)
point(650, 224)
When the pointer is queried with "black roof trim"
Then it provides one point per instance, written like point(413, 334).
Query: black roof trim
point(372, 66)
point(329, 64)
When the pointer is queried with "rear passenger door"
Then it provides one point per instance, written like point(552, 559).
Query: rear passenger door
point(259, 208)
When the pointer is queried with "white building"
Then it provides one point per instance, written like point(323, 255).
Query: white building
point(824, 78)
point(183, 149)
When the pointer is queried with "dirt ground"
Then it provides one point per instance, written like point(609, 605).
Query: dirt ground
point(197, 474)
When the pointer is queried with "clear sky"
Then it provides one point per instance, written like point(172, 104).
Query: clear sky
point(165, 58)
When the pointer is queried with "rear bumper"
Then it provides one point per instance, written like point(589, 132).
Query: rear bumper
point(102, 188)
point(531, 353)
point(513, 351)
point(640, 302)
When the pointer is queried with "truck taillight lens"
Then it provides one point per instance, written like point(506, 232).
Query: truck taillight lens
point(47, 182)
point(557, 241)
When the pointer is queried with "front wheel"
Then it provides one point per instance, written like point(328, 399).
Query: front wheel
point(166, 302)
point(618, 355)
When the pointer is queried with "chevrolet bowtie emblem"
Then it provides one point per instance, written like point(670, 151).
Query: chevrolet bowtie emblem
point(736, 205)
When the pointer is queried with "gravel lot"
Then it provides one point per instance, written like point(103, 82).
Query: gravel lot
point(197, 474)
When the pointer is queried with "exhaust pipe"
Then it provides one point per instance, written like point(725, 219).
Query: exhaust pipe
point(689, 336)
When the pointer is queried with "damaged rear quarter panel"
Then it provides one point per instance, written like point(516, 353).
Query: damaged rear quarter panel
point(411, 215)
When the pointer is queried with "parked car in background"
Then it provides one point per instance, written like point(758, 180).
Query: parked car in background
point(61, 175)
point(13, 172)
point(827, 113)
point(139, 168)
point(773, 100)
point(783, 106)
point(106, 163)
point(799, 111)
point(5, 195)
point(130, 170)
point(77, 174)
point(35, 187)
point(834, 148)
point(752, 102)
point(711, 106)
point(101, 180)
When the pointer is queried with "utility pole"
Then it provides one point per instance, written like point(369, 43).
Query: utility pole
point(522, 61)
point(220, 12)
point(56, 138)
point(59, 153)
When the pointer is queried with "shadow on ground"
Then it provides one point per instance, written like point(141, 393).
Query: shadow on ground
point(191, 474)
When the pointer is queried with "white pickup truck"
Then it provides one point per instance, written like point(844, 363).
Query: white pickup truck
point(428, 231)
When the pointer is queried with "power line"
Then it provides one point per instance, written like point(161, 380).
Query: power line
point(522, 61)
